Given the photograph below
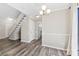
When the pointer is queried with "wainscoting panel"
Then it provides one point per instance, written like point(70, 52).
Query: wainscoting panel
point(59, 41)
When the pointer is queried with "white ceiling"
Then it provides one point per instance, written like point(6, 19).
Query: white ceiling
point(32, 9)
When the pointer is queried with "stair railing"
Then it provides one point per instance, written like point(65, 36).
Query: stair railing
point(18, 25)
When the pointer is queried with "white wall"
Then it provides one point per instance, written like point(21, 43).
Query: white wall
point(28, 30)
point(55, 29)
point(31, 29)
point(6, 12)
point(25, 31)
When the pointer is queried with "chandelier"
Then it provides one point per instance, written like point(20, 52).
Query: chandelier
point(44, 11)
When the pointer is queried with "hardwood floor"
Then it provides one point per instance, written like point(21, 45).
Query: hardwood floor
point(16, 48)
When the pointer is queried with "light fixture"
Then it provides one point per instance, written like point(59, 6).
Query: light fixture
point(41, 12)
point(37, 16)
point(45, 10)
point(48, 11)
point(44, 7)
point(10, 18)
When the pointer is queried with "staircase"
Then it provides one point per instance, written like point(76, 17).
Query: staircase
point(14, 33)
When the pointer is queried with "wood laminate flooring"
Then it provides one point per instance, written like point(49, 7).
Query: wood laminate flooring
point(16, 48)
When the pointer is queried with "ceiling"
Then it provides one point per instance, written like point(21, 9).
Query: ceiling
point(32, 9)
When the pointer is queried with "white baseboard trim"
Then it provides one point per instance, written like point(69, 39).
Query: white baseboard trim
point(25, 41)
point(55, 47)
point(4, 38)
point(28, 41)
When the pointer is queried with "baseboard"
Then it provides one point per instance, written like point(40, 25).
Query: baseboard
point(55, 47)
point(28, 41)
point(25, 41)
point(31, 40)
point(4, 38)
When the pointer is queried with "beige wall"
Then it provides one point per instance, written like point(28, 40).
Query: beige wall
point(56, 29)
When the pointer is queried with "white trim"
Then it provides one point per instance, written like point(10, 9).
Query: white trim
point(56, 34)
point(74, 30)
point(3, 37)
point(25, 41)
point(55, 47)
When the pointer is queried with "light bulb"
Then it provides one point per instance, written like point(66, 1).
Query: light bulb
point(48, 11)
point(41, 12)
point(11, 19)
point(37, 16)
point(44, 7)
